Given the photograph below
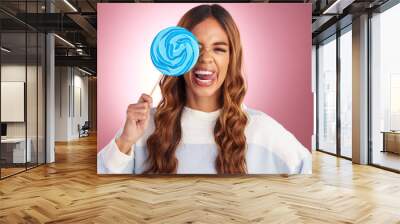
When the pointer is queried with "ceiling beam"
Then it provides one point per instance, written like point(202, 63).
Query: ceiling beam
point(85, 61)
point(84, 24)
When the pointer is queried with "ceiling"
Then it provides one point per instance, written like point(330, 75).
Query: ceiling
point(76, 22)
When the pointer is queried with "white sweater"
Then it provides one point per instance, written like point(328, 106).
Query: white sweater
point(271, 149)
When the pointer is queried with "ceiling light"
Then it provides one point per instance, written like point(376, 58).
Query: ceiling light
point(84, 71)
point(5, 50)
point(64, 40)
point(338, 6)
point(70, 5)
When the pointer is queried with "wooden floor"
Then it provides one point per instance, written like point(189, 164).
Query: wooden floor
point(388, 159)
point(10, 171)
point(5, 172)
point(70, 191)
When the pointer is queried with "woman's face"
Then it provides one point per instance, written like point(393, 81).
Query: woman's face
point(207, 76)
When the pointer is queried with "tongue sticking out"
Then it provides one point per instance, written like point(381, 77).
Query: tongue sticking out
point(204, 77)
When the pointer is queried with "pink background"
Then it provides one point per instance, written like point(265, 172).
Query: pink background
point(276, 41)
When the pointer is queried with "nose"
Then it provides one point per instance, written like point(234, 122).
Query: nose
point(205, 56)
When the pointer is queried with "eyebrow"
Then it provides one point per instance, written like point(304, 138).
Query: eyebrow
point(220, 43)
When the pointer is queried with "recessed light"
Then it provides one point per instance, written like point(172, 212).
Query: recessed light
point(337, 7)
point(5, 50)
point(64, 40)
point(70, 5)
point(86, 72)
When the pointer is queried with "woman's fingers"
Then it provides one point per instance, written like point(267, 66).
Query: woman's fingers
point(140, 111)
point(139, 107)
point(146, 98)
point(137, 115)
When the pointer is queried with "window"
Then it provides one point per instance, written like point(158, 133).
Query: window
point(395, 102)
point(385, 88)
point(346, 93)
point(327, 95)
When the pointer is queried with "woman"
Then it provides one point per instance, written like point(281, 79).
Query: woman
point(201, 125)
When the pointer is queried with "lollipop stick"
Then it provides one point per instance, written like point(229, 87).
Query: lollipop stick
point(154, 87)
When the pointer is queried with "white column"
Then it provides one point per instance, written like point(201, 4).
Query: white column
point(50, 92)
point(360, 90)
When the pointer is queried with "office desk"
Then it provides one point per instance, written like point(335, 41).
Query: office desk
point(13, 150)
point(391, 141)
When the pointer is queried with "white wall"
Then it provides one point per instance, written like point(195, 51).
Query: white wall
point(12, 73)
point(70, 83)
point(9, 73)
point(33, 127)
point(80, 84)
point(62, 81)
point(16, 73)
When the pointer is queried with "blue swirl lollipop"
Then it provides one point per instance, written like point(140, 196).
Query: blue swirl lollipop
point(174, 51)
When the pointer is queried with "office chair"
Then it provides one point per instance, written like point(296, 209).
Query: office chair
point(84, 130)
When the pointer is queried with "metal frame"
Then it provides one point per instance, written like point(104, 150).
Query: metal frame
point(316, 97)
point(45, 90)
point(26, 89)
point(0, 93)
point(338, 98)
point(37, 92)
point(369, 91)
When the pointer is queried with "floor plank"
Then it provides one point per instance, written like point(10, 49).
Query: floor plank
point(70, 191)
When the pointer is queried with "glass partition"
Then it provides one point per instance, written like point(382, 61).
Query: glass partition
point(31, 100)
point(22, 77)
point(13, 105)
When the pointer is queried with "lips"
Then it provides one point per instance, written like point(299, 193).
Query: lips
point(204, 77)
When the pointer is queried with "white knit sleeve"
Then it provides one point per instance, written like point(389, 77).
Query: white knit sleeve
point(110, 160)
point(286, 146)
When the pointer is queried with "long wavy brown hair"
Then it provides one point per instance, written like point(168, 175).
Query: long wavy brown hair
point(230, 126)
